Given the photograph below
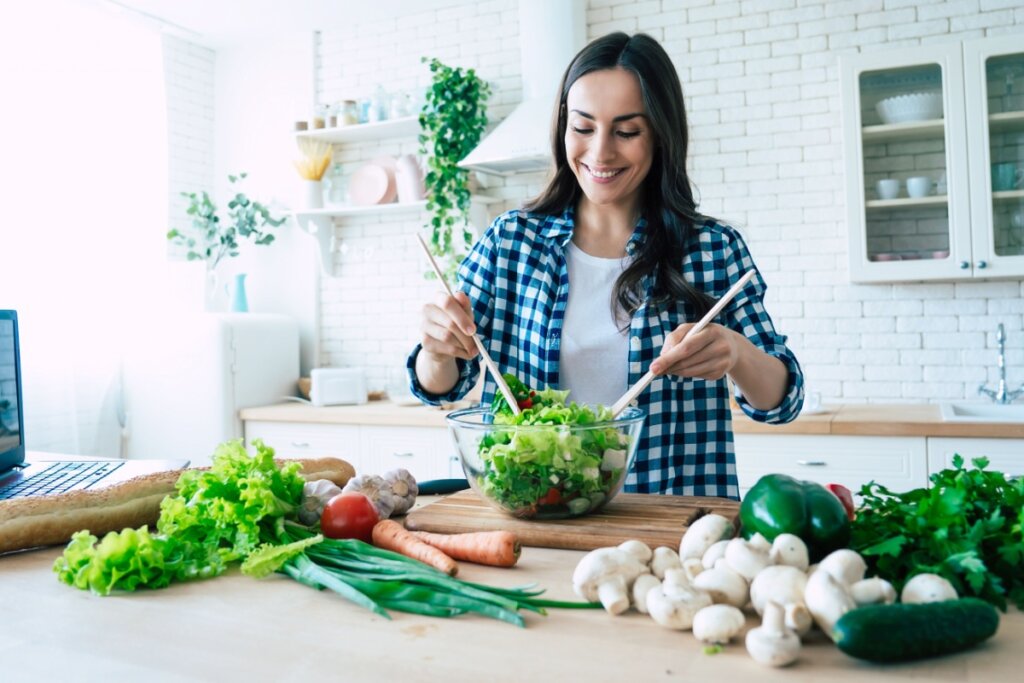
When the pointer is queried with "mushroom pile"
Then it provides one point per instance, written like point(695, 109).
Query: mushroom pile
point(706, 585)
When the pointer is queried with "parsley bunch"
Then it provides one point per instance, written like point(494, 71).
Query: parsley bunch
point(967, 527)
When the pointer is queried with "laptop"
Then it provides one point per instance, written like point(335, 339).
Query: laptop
point(41, 474)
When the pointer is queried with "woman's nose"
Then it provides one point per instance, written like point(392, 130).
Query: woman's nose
point(604, 148)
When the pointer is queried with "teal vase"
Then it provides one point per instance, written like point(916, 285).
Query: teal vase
point(239, 302)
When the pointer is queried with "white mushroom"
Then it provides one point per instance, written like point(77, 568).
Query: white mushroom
point(746, 558)
point(759, 543)
point(772, 643)
point(846, 566)
point(717, 624)
point(798, 618)
point(664, 558)
point(702, 534)
point(641, 587)
point(723, 585)
point(827, 599)
point(637, 549)
point(675, 603)
point(778, 583)
point(606, 575)
point(692, 567)
point(714, 554)
point(927, 588)
point(873, 591)
point(789, 549)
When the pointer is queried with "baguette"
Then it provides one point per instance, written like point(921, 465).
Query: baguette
point(51, 520)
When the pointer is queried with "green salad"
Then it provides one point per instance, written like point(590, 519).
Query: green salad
point(556, 471)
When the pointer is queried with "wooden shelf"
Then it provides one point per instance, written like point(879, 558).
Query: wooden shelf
point(906, 203)
point(403, 127)
point(1006, 122)
point(911, 130)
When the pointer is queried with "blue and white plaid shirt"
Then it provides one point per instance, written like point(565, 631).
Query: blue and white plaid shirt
point(518, 283)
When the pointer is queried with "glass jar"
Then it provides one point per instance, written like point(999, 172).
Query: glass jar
point(348, 113)
point(336, 187)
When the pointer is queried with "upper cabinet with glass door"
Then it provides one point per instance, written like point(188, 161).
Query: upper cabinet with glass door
point(994, 74)
point(916, 204)
point(905, 149)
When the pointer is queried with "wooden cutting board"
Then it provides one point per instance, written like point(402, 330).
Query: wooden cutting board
point(652, 518)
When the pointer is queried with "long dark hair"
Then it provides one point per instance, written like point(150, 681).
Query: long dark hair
point(667, 198)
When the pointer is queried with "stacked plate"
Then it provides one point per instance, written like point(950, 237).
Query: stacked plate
point(373, 183)
point(915, 106)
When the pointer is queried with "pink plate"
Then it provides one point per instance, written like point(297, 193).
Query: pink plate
point(368, 185)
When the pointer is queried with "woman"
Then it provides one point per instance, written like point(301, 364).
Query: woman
point(599, 278)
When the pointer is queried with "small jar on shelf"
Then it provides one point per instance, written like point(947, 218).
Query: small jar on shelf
point(336, 190)
point(348, 113)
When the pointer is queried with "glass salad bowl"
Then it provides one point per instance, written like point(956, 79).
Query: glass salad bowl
point(545, 471)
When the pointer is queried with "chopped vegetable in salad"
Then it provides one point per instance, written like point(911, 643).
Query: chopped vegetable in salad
point(533, 471)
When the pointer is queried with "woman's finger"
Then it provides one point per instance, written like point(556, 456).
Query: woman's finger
point(441, 340)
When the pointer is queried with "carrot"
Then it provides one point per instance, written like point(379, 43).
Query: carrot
point(391, 535)
point(496, 548)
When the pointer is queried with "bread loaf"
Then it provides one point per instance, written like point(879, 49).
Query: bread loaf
point(49, 520)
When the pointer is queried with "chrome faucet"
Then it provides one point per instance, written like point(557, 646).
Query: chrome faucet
point(1001, 395)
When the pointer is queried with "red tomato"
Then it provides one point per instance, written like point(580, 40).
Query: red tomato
point(349, 515)
point(552, 497)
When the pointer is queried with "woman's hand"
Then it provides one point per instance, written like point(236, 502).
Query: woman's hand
point(709, 354)
point(448, 328)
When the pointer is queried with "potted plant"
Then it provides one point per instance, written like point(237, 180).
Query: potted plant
point(452, 120)
point(211, 240)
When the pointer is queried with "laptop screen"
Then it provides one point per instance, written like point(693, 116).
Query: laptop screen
point(12, 443)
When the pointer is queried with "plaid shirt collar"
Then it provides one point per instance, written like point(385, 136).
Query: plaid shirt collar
point(560, 229)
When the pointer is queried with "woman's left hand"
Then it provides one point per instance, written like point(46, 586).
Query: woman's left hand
point(709, 354)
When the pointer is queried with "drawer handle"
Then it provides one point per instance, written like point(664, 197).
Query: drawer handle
point(811, 463)
point(407, 454)
point(300, 444)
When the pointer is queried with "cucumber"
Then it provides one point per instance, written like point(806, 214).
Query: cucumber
point(900, 632)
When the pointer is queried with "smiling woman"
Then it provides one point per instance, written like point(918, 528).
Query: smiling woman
point(85, 182)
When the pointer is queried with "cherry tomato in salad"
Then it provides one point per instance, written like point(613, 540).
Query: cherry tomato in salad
point(552, 497)
point(349, 515)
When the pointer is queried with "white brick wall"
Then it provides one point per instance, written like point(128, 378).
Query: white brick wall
point(762, 88)
point(188, 73)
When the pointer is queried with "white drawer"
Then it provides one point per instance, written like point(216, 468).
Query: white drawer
point(305, 440)
point(899, 463)
point(1004, 455)
point(424, 451)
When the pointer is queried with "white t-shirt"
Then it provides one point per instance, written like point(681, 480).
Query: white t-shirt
point(592, 363)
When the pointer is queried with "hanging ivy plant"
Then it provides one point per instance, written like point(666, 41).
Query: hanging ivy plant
point(452, 120)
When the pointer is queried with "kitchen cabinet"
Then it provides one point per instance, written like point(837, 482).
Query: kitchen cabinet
point(319, 223)
point(898, 462)
point(1004, 455)
point(427, 452)
point(949, 114)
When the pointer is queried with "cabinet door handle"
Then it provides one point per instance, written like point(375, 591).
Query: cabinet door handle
point(300, 444)
point(811, 463)
point(964, 265)
point(982, 264)
point(407, 454)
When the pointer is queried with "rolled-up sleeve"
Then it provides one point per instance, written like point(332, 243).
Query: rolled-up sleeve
point(747, 315)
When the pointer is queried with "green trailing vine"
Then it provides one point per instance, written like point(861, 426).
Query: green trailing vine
point(452, 121)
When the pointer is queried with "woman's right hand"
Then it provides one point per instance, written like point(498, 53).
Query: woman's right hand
point(448, 328)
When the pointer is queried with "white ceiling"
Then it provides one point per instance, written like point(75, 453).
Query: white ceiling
point(221, 23)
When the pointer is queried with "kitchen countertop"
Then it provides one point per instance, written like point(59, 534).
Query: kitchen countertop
point(275, 629)
point(848, 419)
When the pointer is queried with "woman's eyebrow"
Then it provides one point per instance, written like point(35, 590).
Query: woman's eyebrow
point(624, 117)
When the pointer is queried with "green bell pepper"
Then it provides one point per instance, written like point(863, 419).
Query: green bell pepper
point(780, 504)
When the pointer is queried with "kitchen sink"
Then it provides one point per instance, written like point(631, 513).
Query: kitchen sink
point(982, 412)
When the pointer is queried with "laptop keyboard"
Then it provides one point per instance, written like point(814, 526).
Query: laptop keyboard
point(58, 478)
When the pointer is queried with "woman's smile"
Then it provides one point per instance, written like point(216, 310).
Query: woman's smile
point(601, 174)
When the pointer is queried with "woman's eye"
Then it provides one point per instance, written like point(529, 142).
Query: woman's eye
point(582, 130)
point(628, 134)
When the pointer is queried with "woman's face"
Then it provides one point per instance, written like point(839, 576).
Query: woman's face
point(608, 140)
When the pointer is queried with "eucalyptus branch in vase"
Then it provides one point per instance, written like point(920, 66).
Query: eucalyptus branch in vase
point(452, 121)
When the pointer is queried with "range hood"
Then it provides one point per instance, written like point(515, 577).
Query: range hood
point(550, 34)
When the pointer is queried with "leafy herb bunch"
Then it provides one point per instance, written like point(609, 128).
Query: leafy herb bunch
point(452, 120)
point(967, 527)
point(210, 239)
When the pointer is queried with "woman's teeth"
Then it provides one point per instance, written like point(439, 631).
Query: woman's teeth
point(604, 174)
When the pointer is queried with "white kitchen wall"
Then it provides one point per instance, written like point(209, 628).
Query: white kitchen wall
point(762, 88)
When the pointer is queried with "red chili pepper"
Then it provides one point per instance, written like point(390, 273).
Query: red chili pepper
point(845, 497)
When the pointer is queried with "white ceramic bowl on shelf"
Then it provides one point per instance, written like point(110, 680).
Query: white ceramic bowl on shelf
point(915, 106)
